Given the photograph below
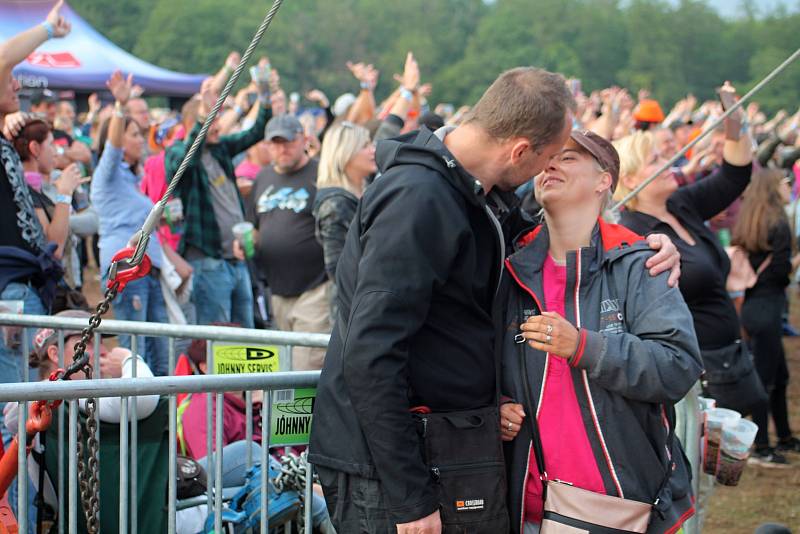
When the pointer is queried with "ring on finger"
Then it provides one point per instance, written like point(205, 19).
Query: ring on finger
point(510, 426)
point(548, 339)
point(549, 329)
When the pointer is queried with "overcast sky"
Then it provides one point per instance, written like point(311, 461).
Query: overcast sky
point(733, 7)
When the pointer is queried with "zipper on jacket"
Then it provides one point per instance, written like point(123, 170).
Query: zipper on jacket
point(438, 470)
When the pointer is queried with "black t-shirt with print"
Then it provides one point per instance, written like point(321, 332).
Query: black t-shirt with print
point(10, 234)
point(288, 254)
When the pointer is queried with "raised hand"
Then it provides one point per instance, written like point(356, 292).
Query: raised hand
point(61, 26)
point(233, 59)
point(94, 103)
point(410, 77)
point(315, 95)
point(120, 87)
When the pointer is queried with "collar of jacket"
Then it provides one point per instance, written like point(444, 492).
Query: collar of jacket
point(609, 242)
point(426, 149)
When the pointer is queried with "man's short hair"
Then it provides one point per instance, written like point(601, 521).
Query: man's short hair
point(525, 102)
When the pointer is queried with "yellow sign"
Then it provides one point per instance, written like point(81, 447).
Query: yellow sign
point(236, 359)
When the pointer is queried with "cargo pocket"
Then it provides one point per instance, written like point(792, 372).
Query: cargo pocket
point(472, 497)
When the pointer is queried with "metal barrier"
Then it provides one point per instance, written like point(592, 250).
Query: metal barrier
point(212, 385)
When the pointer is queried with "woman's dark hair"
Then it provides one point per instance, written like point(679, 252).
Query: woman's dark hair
point(36, 130)
point(102, 136)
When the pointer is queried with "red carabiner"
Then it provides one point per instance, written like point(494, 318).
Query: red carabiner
point(121, 272)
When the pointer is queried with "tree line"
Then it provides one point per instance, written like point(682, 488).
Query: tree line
point(669, 48)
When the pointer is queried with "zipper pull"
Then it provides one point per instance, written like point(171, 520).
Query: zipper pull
point(424, 426)
point(436, 473)
point(563, 482)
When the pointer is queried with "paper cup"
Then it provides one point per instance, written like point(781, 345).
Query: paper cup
point(716, 420)
point(243, 232)
point(735, 448)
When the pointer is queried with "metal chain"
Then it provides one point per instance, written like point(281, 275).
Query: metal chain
point(89, 470)
point(293, 478)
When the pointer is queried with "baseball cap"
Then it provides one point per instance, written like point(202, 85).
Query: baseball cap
point(45, 337)
point(602, 150)
point(649, 111)
point(284, 126)
point(44, 95)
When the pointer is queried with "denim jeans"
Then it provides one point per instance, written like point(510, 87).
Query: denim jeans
point(222, 292)
point(142, 300)
point(12, 366)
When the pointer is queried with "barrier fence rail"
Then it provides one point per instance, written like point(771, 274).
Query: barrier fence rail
point(214, 386)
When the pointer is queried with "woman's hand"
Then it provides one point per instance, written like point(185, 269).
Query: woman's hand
point(61, 26)
point(551, 333)
point(70, 179)
point(120, 87)
point(511, 418)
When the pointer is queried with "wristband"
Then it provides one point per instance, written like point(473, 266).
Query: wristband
point(119, 112)
point(63, 199)
point(365, 85)
point(51, 31)
point(406, 94)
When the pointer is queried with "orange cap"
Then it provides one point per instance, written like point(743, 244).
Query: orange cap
point(648, 111)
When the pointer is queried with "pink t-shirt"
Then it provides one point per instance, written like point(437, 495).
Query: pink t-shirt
point(568, 455)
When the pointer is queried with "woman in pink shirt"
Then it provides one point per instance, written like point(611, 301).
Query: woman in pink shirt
point(596, 349)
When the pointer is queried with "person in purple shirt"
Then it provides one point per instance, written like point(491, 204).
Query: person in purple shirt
point(122, 209)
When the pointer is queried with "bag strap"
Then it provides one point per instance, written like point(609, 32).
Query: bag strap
point(530, 407)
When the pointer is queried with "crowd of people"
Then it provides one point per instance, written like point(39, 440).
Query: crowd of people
point(461, 258)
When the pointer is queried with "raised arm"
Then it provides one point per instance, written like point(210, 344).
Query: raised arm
point(16, 49)
point(714, 194)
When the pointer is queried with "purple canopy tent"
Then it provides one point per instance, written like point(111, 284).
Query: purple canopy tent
point(83, 60)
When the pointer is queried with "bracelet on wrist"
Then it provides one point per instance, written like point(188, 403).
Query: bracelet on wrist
point(63, 199)
point(119, 110)
point(51, 30)
point(406, 94)
point(365, 86)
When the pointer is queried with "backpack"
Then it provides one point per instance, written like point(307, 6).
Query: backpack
point(244, 510)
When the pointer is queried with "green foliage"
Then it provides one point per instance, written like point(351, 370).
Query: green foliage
point(670, 48)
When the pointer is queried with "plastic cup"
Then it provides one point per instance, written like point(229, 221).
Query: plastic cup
point(173, 211)
point(716, 420)
point(734, 450)
point(243, 232)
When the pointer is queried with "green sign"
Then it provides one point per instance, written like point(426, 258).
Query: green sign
point(236, 359)
point(290, 422)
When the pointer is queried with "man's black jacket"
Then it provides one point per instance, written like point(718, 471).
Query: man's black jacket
point(416, 279)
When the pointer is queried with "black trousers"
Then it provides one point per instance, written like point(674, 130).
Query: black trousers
point(762, 319)
point(355, 504)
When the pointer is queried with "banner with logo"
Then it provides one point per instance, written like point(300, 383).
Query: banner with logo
point(236, 358)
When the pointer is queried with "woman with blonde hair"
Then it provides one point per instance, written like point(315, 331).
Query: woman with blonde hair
point(763, 231)
point(347, 159)
point(681, 213)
